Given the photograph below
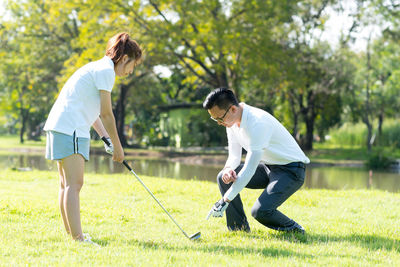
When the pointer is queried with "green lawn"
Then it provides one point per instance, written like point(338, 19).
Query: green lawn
point(344, 228)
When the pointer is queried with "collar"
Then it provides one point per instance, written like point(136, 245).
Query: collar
point(109, 61)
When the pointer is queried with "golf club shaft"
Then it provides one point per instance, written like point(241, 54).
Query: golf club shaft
point(148, 190)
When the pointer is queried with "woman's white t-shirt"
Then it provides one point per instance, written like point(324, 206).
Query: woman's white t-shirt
point(78, 105)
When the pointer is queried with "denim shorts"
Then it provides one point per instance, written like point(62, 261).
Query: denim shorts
point(59, 146)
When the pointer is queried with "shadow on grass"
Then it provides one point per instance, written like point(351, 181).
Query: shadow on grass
point(232, 250)
point(223, 249)
point(372, 242)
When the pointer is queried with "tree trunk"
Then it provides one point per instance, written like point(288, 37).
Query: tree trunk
point(368, 112)
point(24, 118)
point(295, 120)
point(308, 144)
point(380, 123)
point(309, 115)
point(369, 136)
point(119, 114)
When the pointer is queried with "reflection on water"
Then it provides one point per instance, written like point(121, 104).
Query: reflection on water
point(316, 177)
point(351, 178)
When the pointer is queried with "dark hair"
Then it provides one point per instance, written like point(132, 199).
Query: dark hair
point(121, 44)
point(221, 97)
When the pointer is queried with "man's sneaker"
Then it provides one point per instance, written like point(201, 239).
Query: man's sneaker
point(297, 228)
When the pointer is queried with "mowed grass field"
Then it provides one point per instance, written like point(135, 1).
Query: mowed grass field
point(344, 228)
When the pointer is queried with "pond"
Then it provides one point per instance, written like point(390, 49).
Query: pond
point(327, 177)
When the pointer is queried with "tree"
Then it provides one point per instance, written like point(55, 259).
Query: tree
point(311, 72)
point(207, 40)
point(376, 91)
point(374, 95)
point(35, 44)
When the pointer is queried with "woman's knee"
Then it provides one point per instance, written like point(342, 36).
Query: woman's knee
point(76, 186)
point(73, 181)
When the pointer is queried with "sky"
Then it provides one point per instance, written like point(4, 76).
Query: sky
point(342, 22)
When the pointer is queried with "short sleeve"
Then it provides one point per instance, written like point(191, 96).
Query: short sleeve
point(104, 79)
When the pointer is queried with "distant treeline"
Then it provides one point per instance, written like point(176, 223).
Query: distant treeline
point(269, 52)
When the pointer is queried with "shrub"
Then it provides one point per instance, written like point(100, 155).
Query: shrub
point(378, 160)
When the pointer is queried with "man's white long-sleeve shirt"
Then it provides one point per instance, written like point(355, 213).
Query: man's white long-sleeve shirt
point(265, 139)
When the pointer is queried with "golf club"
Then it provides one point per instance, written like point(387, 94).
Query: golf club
point(192, 237)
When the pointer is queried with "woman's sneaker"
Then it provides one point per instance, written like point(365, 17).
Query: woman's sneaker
point(90, 242)
point(88, 239)
point(87, 236)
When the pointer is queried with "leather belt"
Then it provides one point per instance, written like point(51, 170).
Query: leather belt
point(296, 164)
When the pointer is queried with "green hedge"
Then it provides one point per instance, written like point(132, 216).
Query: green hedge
point(356, 134)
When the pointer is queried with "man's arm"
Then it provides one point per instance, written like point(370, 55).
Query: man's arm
point(234, 158)
point(253, 158)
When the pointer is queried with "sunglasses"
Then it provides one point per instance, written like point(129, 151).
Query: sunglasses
point(221, 119)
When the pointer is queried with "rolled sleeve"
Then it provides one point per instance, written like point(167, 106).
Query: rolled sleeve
point(253, 158)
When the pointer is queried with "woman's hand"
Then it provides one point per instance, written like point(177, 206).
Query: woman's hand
point(118, 154)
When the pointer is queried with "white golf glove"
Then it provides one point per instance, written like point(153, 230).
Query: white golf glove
point(218, 209)
point(109, 148)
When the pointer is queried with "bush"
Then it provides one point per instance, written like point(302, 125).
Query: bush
point(378, 160)
point(356, 134)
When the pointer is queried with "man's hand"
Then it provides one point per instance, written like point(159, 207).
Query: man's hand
point(218, 209)
point(229, 176)
point(108, 147)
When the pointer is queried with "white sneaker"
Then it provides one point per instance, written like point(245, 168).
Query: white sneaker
point(86, 236)
point(90, 242)
point(88, 239)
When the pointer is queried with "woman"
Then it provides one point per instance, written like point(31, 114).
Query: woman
point(85, 101)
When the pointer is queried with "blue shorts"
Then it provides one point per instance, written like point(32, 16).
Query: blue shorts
point(59, 146)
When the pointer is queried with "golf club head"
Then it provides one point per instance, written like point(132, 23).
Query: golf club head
point(195, 236)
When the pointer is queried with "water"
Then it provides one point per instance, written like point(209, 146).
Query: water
point(330, 177)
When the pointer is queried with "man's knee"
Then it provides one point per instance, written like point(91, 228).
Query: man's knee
point(258, 213)
point(219, 177)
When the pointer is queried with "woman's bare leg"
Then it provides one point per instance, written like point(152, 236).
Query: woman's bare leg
point(61, 196)
point(73, 167)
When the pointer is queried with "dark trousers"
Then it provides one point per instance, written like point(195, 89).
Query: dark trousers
point(279, 183)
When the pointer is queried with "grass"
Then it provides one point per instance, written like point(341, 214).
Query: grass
point(344, 228)
point(328, 153)
point(12, 141)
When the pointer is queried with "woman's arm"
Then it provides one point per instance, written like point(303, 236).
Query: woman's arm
point(107, 125)
point(99, 128)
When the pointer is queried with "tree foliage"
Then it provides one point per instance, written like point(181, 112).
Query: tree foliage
point(269, 52)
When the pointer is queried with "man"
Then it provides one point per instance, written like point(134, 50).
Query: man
point(274, 162)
